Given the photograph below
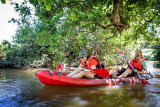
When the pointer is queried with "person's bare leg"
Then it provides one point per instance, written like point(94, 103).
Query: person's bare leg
point(89, 75)
point(74, 72)
point(115, 69)
point(78, 75)
point(125, 74)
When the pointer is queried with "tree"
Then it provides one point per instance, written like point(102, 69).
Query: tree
point(92, 15)
point(85, 20)
point(66, 26)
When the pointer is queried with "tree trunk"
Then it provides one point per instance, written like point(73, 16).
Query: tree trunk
point(116, 9)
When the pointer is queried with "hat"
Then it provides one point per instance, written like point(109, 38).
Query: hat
point(140, 50)
point(82, 53)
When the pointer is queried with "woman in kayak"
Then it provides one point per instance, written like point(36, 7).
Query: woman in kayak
point(90, 63)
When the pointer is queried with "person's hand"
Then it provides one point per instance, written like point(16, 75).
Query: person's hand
point(144, 71)
point(135, 70)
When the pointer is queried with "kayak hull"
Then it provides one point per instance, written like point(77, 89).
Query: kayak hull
point(51, 78)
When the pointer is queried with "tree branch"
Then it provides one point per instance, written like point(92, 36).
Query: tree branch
point(80, 20)
point(86, 25)
point(111, 37)
point(104, 27)
point(149, 20)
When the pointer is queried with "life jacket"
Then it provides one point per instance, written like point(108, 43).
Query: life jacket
point(88, 66)
point(137, 64)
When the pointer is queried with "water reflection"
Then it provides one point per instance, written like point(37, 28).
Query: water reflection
point(50, 92)
point(153, 65)
point(95, 96)
point(22, 88)
point(66, 95)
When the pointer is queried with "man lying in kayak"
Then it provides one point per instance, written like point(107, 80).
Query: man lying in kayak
point(90, 63)
point(138, 63)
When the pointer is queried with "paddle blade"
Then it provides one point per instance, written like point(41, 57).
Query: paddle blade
point(59, 67)
point(145, 82)
point(101, 72)
point(120, 51)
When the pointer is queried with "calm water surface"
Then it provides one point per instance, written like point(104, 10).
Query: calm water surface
point(21, 88)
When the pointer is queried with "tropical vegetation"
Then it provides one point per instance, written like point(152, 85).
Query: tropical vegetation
point(52, 32)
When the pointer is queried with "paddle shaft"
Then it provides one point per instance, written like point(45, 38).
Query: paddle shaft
point(143, 80)
point(132, 66)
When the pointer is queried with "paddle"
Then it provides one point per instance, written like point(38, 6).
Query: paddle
point(101, 72)
point(143, 80)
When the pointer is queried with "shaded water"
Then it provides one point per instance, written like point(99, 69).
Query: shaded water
point(21, 88)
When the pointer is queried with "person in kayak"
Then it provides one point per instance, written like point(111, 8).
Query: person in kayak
point(138, 63)
point(90, 63)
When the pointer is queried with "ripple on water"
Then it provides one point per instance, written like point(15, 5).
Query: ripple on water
point(157, 75)
point(153, 90)
point(6, 80)
point(152, 99)
point(12, 92)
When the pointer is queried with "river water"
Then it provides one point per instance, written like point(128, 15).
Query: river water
point(20, 88)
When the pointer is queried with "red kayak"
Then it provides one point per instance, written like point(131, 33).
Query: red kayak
point(51, 78)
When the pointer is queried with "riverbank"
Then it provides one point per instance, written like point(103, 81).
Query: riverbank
point(150, 64)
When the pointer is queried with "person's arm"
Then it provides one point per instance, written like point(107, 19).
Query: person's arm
point(75, 71)
point(144, 71)
point(80, 67)
point(144, 66)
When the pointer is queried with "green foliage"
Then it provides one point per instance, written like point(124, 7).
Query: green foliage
point(3, 1)
point(60, 29)
point(152, 54)
point(24, 55)
point(156, 55)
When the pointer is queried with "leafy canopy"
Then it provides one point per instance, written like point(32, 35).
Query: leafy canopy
point(66, 26)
